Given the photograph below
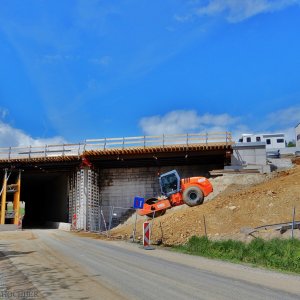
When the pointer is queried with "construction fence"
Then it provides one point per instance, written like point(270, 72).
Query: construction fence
point(103, 218)
point(110, 217)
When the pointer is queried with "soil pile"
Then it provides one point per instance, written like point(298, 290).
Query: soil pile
point(238, 206)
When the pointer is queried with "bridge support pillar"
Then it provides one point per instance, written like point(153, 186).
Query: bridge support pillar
point(84, 199)
point(16, 205)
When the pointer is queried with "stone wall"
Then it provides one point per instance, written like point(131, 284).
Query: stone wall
point(118, 187)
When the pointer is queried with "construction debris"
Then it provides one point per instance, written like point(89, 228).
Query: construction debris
point(233, 171)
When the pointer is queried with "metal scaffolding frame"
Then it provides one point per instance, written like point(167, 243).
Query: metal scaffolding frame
point(84, 198)
point(9, 189)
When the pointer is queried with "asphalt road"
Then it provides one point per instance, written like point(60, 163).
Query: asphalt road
point(52, 264)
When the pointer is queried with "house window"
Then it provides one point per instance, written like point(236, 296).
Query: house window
point(280, 140)
point(298, 137)
point(248, 139)
point(258, 138)
point(268, 141)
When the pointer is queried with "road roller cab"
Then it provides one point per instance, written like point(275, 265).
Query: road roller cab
point(176, 191)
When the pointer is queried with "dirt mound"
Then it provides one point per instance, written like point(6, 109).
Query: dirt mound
point(268, 202)
point(296, 161)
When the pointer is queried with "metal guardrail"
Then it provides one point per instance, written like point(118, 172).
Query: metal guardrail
point(41, 151)
point(110, 143)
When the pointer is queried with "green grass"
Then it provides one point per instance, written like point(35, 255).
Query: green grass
point(274, 254)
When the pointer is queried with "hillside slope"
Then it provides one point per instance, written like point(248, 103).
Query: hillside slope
point(265, 203)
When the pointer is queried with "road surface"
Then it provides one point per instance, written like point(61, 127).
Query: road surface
point(52, 264)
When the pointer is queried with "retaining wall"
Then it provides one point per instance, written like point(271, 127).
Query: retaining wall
point(118, 187)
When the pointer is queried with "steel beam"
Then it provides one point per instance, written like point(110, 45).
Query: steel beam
point(17, 200)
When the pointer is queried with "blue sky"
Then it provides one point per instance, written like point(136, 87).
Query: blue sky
point(78, 69)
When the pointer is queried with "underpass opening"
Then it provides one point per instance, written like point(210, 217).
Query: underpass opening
point(46, 198)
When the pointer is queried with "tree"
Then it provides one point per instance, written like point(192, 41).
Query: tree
point(291, 144)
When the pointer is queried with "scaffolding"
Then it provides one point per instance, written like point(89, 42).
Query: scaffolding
point(14, 212)
point(84, 199)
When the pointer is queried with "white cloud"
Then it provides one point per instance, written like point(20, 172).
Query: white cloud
point(3, 113)
point(184, 18)
point(183, 121)
point(239, 10)
point(290, 134)
point(13, 137)
point(189, 121)
point(284, 121)
point(281, 121)
point(289, 116)
point(217, 120)
point(238, 130)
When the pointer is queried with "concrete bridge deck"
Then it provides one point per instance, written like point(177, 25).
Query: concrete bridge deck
point(108, 147)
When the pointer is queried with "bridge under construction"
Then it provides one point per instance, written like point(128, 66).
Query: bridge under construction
point(70, 182)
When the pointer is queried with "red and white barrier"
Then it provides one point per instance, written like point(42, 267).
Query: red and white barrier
point(146, 234)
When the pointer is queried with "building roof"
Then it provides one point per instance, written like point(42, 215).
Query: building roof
point(263, 134)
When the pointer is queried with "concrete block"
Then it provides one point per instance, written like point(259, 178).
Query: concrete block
point(59, 225)
point(8, 227)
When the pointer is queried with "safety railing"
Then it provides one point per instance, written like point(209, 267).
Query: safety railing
point(159, 140)
point(110, 143)
point(41, 151)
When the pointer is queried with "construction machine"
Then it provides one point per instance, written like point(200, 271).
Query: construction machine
point(176, 191)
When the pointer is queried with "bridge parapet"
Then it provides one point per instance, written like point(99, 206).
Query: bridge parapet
point(159, 140)
point(69, 151)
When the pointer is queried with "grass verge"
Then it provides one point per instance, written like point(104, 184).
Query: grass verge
point(274, 254)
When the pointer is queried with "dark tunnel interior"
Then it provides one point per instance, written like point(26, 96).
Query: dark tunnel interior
point(46, 198)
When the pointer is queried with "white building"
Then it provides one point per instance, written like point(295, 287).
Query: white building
point(297, 129)
point(272, 140)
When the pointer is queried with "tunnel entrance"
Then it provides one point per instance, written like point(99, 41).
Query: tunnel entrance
point(46, 198)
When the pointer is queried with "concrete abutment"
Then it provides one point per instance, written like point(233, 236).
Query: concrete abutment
point(92, 189)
